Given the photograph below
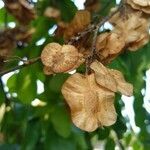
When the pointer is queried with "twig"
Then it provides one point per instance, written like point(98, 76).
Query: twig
point(25, 64)
point(13, 58)
point(81, 34)
point(93, 27)
point(90, 58)
point(101, 23)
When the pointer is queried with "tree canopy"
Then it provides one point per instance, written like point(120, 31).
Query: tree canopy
point(42, 44)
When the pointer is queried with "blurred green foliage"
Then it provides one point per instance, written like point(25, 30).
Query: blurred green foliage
point(49, 127)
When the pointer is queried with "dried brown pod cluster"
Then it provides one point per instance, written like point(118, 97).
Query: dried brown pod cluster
point(133, 28)
point(130, 31)
point(91, 97)
point(142, 5)
point(21, 9)
point(57, 58)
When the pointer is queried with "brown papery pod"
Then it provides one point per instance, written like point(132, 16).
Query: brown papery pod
point(142, 5)
point(110, 79)
point(134, 28)
point(52, 13)
point(80, 21)
point(22, 34)
point(123, 87)
point(59, 58)
point(109, 44)
point(21, 10)
point(91, 105)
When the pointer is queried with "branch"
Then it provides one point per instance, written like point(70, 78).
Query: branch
point(96, 27)
point(101, 23)
point(25, 64)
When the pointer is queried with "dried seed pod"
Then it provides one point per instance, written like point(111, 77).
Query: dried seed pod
point(80, 61)
point(80, 21)
point(109, 44)
point(133, 28)
point(91, 105)
point(47, 70)
point(22, 34)
point(111, 79)
point(122, 86)
point(103, 76)
point(143, 5)
point(21, 9)
point(52, 12)
point(144, 39)
point(59, 58)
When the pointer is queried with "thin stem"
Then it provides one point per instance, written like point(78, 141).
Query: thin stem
point(90, 58)
point(81, 34)
point(25, 64)
point(13, 58)
point(92, 27)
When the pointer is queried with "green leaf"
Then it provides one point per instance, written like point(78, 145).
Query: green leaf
point(61, 121)
point(79, 138)
point(31, 135)
point(11, 83)
point(110, 144)
point(106, 5)
point(27, 92)
point(103, 133)
point(55, 142)
point(9, 147)
point(57, 81)
point(128, 138)
point(24, 84)
point(67, 8)
point(137, 145)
